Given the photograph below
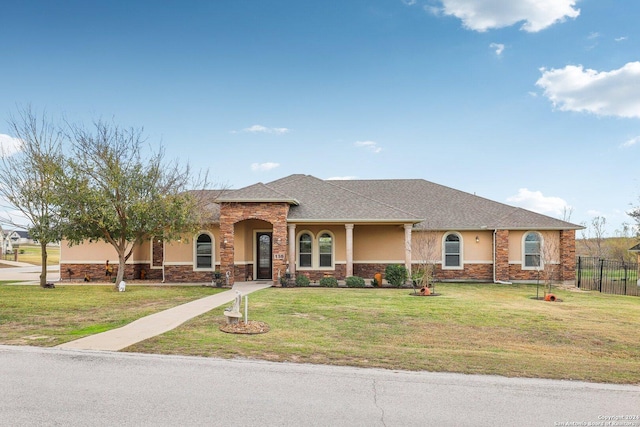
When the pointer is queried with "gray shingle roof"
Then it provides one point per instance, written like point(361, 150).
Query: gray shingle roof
point(256, 193)
point(431, 205)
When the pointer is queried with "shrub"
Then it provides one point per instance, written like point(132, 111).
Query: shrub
point(302, 280)
point(329, 282)
point(354, 282)
point(396, 274)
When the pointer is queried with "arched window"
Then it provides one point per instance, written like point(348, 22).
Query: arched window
point(204, 251)
point(325, 248)
point(532, 249)
point(452, 253)
point(304, 250)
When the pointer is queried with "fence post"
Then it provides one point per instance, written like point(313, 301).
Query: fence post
point(601, 273)
point(624, 265)
point(579, 271)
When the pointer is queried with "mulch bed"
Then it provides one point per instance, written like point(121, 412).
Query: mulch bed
point(250, 327)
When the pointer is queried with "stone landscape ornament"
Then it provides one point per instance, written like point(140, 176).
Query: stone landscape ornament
point(233, 313)
point(121, 286)
point(233, 324)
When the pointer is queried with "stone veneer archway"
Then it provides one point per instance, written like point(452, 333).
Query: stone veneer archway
point(275, 213)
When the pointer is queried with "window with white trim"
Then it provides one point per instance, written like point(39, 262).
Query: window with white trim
point(325, 249)
point(204, 251)
point(532, 250)
point(452, 251)
point(305, 253)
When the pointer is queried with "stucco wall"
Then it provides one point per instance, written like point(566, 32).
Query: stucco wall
point(181, 251)
point(377, 243)
point(89, 252)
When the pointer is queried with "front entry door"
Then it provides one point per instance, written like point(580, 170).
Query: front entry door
point(263, 256)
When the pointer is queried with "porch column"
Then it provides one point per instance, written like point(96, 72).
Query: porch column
point(292, 249)
point(407, 247)
point(349, 229)
point(227, 252)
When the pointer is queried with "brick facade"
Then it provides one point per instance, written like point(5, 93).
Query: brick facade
point(503, 273)
point(339, 273)
point(475, 272)
point(273, 213)
point(96, 272)
point(568, 255)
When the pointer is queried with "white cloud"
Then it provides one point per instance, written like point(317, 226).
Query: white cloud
point(631, 142)
point(605, 93)
point(264, 129)
point(409, 2)
point(369, 145)
point(9, 145)
point(537, 202)
point(433, 10)
point(341, 178)
point(499, 47)
point(483, 15)
point(263, 167)
point(594, 35)
point(621, 39)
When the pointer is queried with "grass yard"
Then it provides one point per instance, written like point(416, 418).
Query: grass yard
point(31, 315)
point(32, 254)
point(474, 329)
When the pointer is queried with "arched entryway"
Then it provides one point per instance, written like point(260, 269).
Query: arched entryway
point(253, 240)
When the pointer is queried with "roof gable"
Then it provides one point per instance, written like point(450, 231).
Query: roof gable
point(256, 193)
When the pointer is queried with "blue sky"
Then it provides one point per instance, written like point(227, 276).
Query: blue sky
point(534, 103)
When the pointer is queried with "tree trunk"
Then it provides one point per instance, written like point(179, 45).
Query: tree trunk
point(43, 272)
point(122, 262)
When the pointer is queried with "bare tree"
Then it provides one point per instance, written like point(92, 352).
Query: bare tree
point(28, 179)
point(426, 246)
point(567, 211)
point(593, 236)
point(550, 259)
point(635, 214)
point(116, 193)
point(618, 246)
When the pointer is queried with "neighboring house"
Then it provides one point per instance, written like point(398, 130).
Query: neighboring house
point(305, 225)
point(19, 237)
point(636, 249)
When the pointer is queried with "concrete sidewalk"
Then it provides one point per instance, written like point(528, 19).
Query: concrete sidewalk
point(159, 323)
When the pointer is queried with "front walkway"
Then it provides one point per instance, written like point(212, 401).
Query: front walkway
point(159, 323)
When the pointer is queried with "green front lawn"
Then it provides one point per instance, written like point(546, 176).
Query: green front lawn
point(31, 315)
point(475, 329)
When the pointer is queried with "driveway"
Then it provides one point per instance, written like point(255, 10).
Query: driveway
point(45, 386)
point(26, 272)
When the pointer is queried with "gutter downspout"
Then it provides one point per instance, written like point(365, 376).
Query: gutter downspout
point(163, 251)
point(500, 282)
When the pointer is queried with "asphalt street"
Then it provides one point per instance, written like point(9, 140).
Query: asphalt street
point(55, 387)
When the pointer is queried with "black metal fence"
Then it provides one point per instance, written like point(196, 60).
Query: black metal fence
point(608, 276)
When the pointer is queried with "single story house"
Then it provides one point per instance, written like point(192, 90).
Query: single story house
point(304, 225)
point(636, 249)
